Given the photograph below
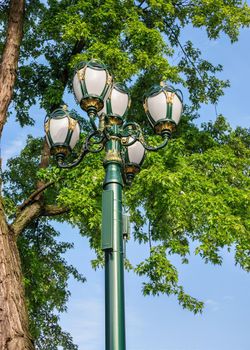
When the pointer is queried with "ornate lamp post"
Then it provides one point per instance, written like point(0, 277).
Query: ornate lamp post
point(125, 147)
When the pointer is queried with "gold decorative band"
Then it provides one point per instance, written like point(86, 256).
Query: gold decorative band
point(112, 156)
point(72, 124)
point(91, 102)
point(131, 169)
point(60, 150)
point(167, 125)
point(113, 120)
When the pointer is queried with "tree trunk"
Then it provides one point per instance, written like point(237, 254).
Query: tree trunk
point(10, 56)
point(14, 334)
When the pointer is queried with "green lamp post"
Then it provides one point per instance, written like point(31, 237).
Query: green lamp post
point(124, 147)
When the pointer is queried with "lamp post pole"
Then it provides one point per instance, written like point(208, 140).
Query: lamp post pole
point(112, 244)
point(125, 147)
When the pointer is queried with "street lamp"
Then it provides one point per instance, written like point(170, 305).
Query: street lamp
point(124, 145)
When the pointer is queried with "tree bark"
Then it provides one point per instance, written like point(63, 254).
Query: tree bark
point(14, 325)
point(32, 212)
point(25, 217)
point(14, 334)
point(9, 60)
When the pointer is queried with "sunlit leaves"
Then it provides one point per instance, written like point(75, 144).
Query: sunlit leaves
point(195, 190)
point(162, 278)
point(46, 283)
point(205, 195)
point(217, 16)
point(135, 41)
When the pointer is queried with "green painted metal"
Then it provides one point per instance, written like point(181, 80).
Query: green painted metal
point(156, 89)
point(114, 267)
point(126, 226)
point(115, 227)
point(107, 219)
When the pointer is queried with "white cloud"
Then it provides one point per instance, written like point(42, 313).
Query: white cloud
point(12, 149)
point(214, 43)
point(214, 305)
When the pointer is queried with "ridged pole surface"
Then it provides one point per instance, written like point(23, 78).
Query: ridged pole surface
point(114, 267)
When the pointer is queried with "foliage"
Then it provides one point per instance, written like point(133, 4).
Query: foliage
point(46, 284)
point(21, 178)
point(163, 278)
point(202, 177)
point(135, 40)
point(46, 273)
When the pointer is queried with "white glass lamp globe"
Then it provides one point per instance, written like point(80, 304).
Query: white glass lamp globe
point(135, 153)
point(116, 104)
point(62, 131)
point(91, 82)
point(134, 157)
point(163, 106)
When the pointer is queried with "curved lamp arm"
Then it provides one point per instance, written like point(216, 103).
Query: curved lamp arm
point(133, 130)
point(86, 148)
point(166, 137)
point(101, 140)
point(92, 120)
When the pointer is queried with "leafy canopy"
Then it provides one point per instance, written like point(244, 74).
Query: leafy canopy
point(135, 39)
point(196, 190)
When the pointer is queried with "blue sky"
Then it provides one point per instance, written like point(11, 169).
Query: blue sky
point(159, 322)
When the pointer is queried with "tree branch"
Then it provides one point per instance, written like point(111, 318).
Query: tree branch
point(64, 75)
point(34, 195)
point(53, 210)
point(32, 212)
point(141, 3)
point(23, 219)
point(34, 206)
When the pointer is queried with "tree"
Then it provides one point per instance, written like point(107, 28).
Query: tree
point(135, 40)
point(14, 325)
